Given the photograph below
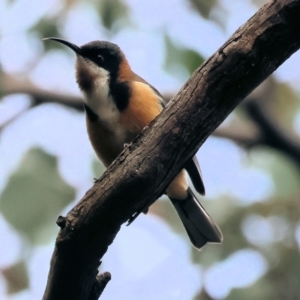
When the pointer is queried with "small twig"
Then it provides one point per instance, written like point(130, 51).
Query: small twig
point(13, 118)
point(99, 285)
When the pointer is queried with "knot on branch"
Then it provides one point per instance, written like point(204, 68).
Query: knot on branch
point(99, 285)
point(61, 222)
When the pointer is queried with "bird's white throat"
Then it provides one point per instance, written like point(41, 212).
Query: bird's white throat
point(98, 97)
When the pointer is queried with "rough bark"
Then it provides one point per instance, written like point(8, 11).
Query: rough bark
point(144, 169)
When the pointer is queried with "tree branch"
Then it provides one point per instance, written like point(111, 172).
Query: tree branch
point(240, 136)
point(144, 169)
point(271, 134)
point(10, 85)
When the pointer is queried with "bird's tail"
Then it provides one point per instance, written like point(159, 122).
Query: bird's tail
point(200, 227)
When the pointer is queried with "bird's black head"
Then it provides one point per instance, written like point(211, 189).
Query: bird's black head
point(105, 55)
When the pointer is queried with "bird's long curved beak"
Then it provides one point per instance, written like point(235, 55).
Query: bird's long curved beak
point(74, 47)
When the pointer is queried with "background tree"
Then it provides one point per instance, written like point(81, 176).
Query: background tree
point(252, 188)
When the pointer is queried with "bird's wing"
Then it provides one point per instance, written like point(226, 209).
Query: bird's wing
point(192, 165)
point(194, 172)
point(140, 79)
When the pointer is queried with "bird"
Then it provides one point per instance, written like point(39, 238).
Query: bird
point(118, 105)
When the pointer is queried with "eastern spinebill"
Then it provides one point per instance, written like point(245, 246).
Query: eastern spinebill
point(118, 105)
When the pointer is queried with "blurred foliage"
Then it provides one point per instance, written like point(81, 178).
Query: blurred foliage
point(181, 57)
point(114, 14)
point(204, 7)
point(98, 168)
point(279, 166)
point(259, 3)
point(16, 277)
point(47, 28)
point(260, 290)
point(281, 282)
point(35, 195)
point(287, 101)
point(281, 211)
point(69, 3)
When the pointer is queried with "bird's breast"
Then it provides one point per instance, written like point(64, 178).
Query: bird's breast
point(106, 134)
point(104, 141)
point(113, 127)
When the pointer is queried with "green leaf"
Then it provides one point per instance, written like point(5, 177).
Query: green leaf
point(98, 168)
point(259, 290)
point(180, 57)
point(113, 13)
point(283, 170)
point(204, 7)
point(35, 195)
point(47, 28)
point(16, 277)
point(286, 105)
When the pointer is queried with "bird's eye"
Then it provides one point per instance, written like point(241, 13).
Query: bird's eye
point(100, 57)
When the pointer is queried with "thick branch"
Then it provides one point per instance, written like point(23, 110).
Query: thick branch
point(142, 172)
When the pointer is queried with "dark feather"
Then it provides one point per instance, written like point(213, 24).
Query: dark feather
point(194, 172)
point(90, 114)
point(200, 227)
